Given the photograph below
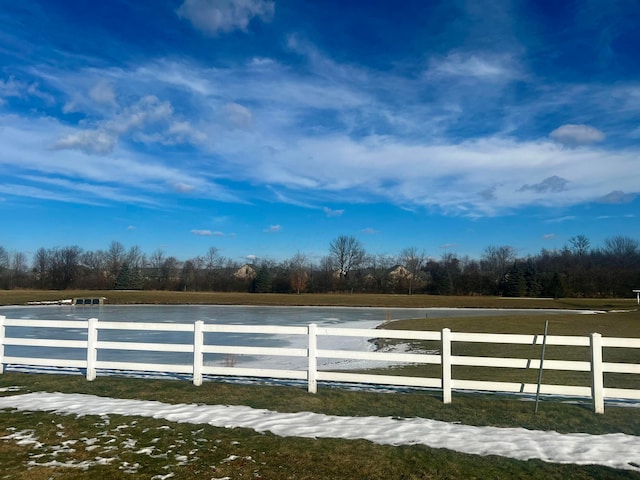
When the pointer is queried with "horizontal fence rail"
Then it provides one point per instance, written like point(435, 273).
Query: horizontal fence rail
point(200, 340)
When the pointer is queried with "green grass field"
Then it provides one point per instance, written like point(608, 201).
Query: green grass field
point(135, 447)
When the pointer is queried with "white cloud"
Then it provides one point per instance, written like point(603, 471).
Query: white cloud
point(238, 115)
point(103, 93)
point(14, 88)
point(323, 135)
point(148, 120)
point(567, 218)
point(88, 141)
point(183, 187)
point(571, 134)
point(386, 168)
point(332, 213)
point(369, 231)
point(148, 109)
point(202, 233)
point(273, 229)
point(548, 236)
point(11, 88)
point(552, 184)
point(184, 132)
point(222, 16)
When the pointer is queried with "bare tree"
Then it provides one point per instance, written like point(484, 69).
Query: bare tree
point(135, 257)
point(41, 263)
point(348, 254)
point(495, 263)
point(622, 249)
point(299, 272)
point(413, 260)
point(17, 269)
point(64, 266)
point(96, 269)
point(378, 268)
point(579, 245)
point(169, 271)
point(213, 264)
point(115, 257)
point(324, 281)
point(155, 262)
point(4, 258)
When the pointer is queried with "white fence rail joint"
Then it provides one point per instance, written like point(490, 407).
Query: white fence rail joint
point(92, 342)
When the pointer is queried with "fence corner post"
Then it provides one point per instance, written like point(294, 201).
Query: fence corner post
point(198, 360)
point(597, 374)
point(312, 353)
point(445, 356)
point(92, 348)
point(2, 344)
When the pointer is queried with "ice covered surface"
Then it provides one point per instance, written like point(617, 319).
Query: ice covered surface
point(612, 450)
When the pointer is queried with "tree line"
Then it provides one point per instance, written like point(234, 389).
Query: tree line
point(577, 270)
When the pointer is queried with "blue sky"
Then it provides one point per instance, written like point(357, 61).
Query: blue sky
point(270, 127)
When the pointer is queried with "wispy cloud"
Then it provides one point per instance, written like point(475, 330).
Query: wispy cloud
point(332, 213)
point(328, 130)
point(483, 66)
point(202, 233)
point(369, 231)
point(567, 218)
point(273, 229)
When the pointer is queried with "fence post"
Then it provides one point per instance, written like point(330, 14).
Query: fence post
point(198, 341)
point(92, 348)
point(2, 344)
point(445, 356)
point(597, 375)
point(312, 353)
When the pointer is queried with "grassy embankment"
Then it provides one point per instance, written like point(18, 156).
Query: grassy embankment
point(207, 449)
point(21, 297)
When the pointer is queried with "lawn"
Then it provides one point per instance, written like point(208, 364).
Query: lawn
point(39, 445)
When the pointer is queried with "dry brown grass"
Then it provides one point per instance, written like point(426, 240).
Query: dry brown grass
point(21, 297)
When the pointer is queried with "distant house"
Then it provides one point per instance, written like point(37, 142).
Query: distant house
point(400, 272)
point(245, 272)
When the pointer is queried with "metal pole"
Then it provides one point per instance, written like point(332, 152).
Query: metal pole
point(544, 345)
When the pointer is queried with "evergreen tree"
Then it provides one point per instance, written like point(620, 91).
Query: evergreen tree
point(262, 282)
point(129, 278)
point(514, 284)
point(533, 285)
point(556, 287)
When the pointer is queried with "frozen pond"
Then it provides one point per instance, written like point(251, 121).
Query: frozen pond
point(348, 317)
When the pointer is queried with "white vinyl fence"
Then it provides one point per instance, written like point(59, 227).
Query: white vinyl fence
point(91, 331)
